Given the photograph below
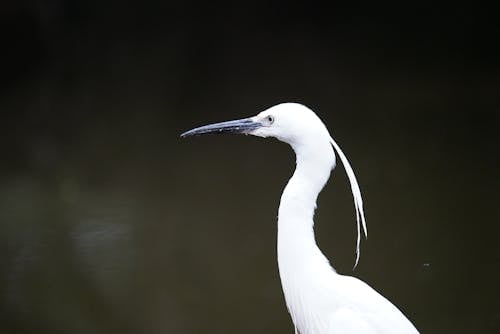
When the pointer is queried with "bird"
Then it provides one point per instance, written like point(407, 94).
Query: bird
point(319, 300)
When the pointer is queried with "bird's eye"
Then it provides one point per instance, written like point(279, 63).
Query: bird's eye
point(270, 119)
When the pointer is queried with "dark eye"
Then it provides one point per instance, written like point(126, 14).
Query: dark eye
point(270, 119)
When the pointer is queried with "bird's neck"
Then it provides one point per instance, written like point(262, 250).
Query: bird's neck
point(295, 217)
point(298, 201)
point(301, 263)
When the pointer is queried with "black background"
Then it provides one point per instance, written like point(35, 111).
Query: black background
point(109, 223)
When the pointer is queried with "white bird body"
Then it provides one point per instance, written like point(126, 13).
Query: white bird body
point(320, 300)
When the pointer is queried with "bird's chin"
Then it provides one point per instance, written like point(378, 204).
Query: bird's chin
point(260, 132)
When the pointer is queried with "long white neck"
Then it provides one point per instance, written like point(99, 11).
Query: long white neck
point(298, 200)
point(300, 261)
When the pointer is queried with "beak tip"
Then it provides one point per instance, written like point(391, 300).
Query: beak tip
point(186, 134)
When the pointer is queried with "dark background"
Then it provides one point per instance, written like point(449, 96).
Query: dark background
point(109, 223)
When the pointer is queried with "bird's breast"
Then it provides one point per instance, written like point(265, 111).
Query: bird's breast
point(305, 277)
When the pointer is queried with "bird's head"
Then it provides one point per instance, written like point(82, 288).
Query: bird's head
point(291, 123)
point(300, 127)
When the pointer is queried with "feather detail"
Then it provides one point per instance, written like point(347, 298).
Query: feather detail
point(356, 193)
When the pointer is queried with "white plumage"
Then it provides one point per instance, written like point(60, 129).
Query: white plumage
point(320, 300)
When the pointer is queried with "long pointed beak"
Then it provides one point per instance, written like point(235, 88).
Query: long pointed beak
point(245, 126)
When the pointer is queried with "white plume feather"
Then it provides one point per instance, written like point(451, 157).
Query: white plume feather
point(356, 193)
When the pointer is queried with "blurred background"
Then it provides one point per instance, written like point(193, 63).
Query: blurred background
point(109, 223)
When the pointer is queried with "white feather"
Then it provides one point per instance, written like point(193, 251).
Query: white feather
point(356, 193)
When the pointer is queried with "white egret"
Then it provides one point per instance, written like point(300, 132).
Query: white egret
point(319, 300)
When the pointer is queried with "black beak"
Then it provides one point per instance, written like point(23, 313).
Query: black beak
point(244, 125)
